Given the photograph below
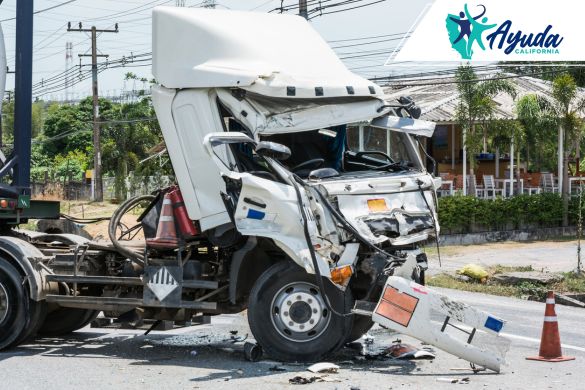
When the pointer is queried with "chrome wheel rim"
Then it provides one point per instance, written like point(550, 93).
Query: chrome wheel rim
point(299, 312)
point(3, 303)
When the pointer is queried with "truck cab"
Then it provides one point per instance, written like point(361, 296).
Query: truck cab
point(255, 117)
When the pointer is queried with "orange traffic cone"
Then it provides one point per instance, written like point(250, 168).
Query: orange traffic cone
point(550, 342)
point(166, 234)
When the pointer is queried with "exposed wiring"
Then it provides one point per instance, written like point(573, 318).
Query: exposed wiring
point(435, 224)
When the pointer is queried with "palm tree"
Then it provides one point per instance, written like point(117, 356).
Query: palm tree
point(563, 111)
point(476, 106)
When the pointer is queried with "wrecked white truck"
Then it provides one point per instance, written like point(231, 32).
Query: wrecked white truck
point(275, 213)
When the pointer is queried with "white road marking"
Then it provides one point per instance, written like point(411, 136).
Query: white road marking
point(537, 341)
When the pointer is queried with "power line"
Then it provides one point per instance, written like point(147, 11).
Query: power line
point(44, 10)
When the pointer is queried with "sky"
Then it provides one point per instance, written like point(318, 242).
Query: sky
point(363, 38)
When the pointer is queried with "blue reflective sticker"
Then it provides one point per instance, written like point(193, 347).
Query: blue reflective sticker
point(494, 324)
point(255, 214)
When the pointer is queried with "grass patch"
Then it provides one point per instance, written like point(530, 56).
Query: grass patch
point(572, 283)
point(448, 281)
point(500, 269)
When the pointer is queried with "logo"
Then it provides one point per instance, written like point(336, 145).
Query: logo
point(162, 283)
point(466, 32)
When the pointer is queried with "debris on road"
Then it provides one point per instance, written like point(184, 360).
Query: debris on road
point(462, 381)
point(277, 369)
point(407, 351)
point(253, 352)
point(301, 380)
point(193, 353)
point(324, 367)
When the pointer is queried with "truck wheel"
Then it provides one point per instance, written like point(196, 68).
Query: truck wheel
point(289, 318)
point(13, 310)
point(361, 325)
point(65, 320)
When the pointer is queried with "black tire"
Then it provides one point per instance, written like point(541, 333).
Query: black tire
point(37, 312)
point(65, 320)
point(13, 305)
point(361, 325)
point(276, 288)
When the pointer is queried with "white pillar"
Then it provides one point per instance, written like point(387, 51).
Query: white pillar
point(453, 146)
point(361, 138)
point(512, 167)
point(464, 161)
point(497, 163)
point(560, 162)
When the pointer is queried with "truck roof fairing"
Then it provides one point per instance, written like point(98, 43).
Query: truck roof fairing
point(269, 54)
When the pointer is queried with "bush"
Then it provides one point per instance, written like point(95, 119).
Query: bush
point(464, 214)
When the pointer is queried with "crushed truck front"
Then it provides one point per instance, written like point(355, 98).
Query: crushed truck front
point(256, 126)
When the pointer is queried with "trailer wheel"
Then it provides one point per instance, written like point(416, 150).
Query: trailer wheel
point(289, 318)
point(65, 320)
point(13, 305)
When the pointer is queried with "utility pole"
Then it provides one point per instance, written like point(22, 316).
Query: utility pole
point(68, 65)
point(98, 193)
point(303, 9)
point(23, 96)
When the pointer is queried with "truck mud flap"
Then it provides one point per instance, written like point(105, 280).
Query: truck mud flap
point(454, 327)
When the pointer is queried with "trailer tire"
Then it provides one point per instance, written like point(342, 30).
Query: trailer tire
point(66, 320)
point(310, 331)
point(13, 305)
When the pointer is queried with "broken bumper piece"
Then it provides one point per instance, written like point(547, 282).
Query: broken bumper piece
point(454, 327)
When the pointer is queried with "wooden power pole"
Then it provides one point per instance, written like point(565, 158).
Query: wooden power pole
point(98, 193)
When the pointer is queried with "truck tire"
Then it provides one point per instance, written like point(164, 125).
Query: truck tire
point(13, 305)
point(361, 325)
point(65, 320)
point(289, 318)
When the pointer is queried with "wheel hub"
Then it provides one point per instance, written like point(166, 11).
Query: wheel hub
point(3, 303)
point(299, 312)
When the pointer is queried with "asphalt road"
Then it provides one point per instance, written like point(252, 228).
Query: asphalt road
point(206, 357)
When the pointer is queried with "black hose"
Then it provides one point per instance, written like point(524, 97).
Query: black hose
point(116, 217)
point(318, 275)
point(84, 220)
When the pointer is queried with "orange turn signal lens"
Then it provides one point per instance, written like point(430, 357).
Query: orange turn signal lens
point(377, 205)
point(341, 275)
point(3, 203)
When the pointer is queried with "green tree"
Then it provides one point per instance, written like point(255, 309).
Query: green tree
point(563, 112)
point(37, 112)
point(476, 106)
point(127, 140)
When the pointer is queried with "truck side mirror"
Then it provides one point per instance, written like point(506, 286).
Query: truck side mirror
point(273, 150)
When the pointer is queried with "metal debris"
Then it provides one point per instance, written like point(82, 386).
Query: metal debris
point(300, 380)
point(323, 367)
point(462, 381)
point(253, 352)
point(407, 351)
